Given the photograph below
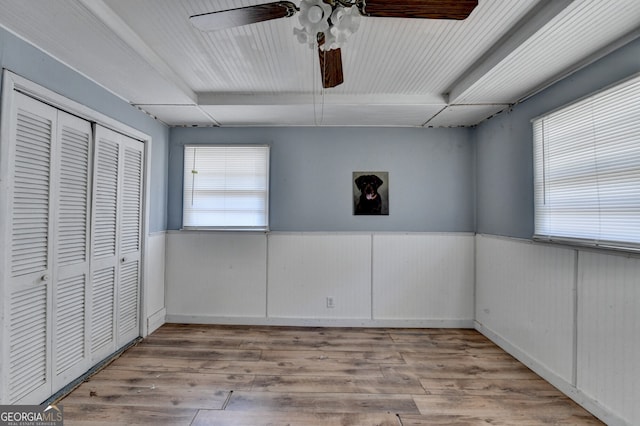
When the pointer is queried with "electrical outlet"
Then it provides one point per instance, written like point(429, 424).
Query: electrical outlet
point(330, 302)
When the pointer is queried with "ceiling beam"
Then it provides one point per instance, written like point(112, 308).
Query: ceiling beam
point(115, 23)
point(524, 29)
point(213, 98)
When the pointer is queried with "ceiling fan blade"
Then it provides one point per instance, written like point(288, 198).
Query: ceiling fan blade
point(243, 15)
point(425, 9)
point(330, 67)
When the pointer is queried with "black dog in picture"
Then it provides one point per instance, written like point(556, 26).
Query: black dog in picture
point(370, 201)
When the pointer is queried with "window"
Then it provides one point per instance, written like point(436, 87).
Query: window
point(587, 170)
point(226, 187)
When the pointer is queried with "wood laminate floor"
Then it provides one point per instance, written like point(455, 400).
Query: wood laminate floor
point(234, 375)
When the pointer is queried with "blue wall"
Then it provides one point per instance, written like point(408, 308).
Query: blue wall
point(504, 144)
point(431, 174)
point(31, 63)
point(439, 179)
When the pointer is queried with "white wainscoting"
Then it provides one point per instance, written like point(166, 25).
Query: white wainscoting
point(572, 316)
point(424, 276)
point(154, 280)
point(305, 269)
point(285, 278)
point(525, 294)
point(214, 275)
point(608, 363)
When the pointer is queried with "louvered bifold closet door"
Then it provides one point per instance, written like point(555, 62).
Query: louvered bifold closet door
point(26, 254)
point(104, 255)
point(116, 244)
point(130, 240)
point(71, 250)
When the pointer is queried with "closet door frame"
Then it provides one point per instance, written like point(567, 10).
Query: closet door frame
point(12, 83)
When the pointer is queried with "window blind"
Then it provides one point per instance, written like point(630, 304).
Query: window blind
point(226, 187)
point(587, 169)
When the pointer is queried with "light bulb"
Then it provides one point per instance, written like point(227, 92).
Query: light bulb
point(336, 16)
point(315, 14)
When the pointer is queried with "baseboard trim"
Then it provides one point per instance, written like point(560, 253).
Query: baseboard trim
point(588, 403)
point(321, 322)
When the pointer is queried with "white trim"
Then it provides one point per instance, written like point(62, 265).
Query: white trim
point(302, 233)
point(244, 98)
point(7, 101)
point(144, 236)
point(567, 244)
point(577, 243)
point(320, 322)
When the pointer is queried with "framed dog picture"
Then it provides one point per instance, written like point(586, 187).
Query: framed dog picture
point(370, 193)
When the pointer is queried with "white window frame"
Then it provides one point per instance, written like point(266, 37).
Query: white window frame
point(199, 213)
point(587, 170)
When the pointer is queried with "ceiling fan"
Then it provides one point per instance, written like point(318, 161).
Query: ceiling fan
point(328, 23)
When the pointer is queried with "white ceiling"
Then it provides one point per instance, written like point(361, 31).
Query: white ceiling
point(398, 72)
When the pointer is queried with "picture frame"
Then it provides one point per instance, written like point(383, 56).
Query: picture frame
point(370, 193)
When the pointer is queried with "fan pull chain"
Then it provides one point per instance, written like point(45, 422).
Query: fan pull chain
point(313, 88)
point(313, 91)
point(324, 76)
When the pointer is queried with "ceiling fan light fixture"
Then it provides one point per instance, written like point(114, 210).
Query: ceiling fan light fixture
point(314, 18)
point(327, 24)
point(344, 22)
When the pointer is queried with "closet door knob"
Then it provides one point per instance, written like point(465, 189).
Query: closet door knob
point(123, 260)
point(45, 277)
